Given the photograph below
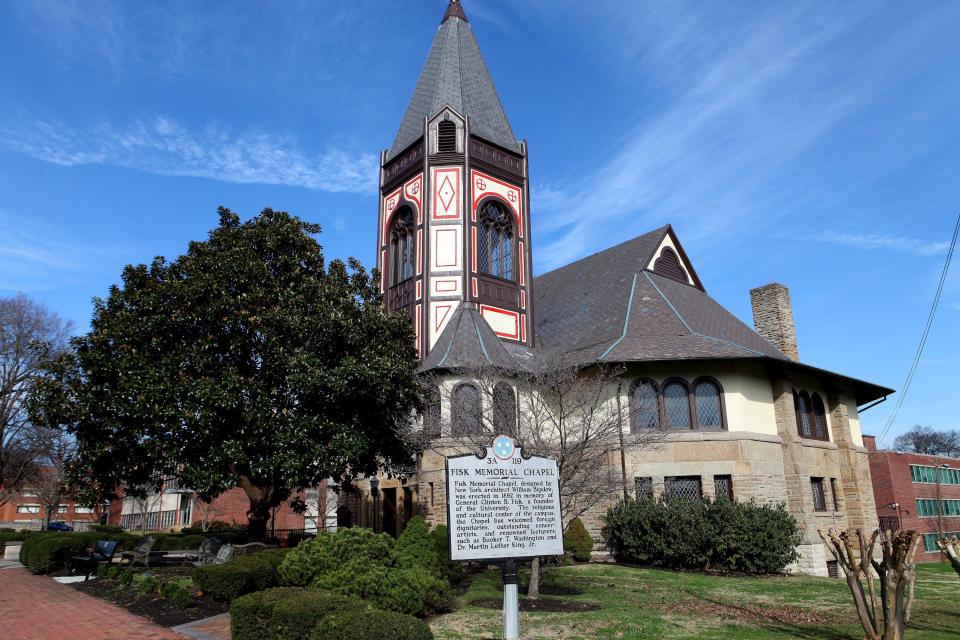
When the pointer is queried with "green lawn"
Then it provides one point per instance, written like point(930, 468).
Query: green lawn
point(653, 603)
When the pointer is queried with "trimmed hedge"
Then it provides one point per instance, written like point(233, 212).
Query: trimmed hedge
point(577, 542)
point(52, 553)
point(254, 572)
point(720, 535)
point(371, 625)
point(285, 613)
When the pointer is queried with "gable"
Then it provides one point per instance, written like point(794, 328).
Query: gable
point(670, 261)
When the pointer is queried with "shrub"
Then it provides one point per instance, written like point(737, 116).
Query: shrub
point(113, 572)
point(577, 542)
point(9, 535)
point(371, 625)
point(126, 577)
point(358, 562)
point(254, 572)
point(179, 542)
point(102, 570)
point(285, 613)
point(705, 534)
point(147, 585)
point(32, 539)
point(53, 553)
point(108, 529)
point(177, 593)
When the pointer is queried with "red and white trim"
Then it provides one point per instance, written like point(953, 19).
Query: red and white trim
point(504, 323)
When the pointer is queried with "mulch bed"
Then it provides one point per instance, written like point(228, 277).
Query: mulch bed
point(160, 610)
point(545, 604)
point(558, 590)
point(745, 613)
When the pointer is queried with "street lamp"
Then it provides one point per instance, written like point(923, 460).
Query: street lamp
point(374, 491)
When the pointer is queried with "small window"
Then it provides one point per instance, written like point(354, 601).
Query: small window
point(431, 414)
point(832, 569)
point(833, 492)
point(723, 487)
point(676, 405)
point(683, 487)
point(466, 407)
point(819, 418)
point(644, 410)
point(504, 409)
point(643, 488)
point(446, 137)
point(819, 498)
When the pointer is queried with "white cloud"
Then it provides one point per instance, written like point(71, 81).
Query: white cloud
point(162, 146)
point(899, 244)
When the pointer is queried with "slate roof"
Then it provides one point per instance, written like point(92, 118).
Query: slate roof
point(608, 308)
point(455, 75)
point(466, 342)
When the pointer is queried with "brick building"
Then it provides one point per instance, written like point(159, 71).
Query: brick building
point(916, 491)
point(173, 508)
point(743, 416)
point(26, 510)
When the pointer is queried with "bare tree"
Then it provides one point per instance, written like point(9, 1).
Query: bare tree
point(55, 450)
point(30, 337)
point(920, 439)
point(554, 408)
point(951, 547)
point(887, 619)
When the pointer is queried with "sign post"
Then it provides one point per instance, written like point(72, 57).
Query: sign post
point(504, 507)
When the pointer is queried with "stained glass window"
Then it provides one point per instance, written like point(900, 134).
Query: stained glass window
point(466, 405)
point(644, 488)
point(683, 487)
point(495, 241)
point(402, 246)
point(819, 418)
point(504, 409)
point(723, 487)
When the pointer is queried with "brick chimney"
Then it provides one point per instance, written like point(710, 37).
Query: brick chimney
point(773, 317)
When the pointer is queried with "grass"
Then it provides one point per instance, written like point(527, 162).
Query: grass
point(654, 603)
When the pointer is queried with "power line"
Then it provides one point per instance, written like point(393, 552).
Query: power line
point(923, 339)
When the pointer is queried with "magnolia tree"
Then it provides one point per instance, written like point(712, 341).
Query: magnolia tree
point(951, 547)
point(247, 362)
point(552, 407)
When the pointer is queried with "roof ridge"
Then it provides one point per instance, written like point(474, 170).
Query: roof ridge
point(602, 251)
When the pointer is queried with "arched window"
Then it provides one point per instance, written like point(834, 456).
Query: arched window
point(644, 409)
point(676, 405)
point(819, 418)
point(466, 410)
point(403, 246)
point(709, 408)
point(801, 406)
point(431, 414)
point(504, 409)
point(495, 240)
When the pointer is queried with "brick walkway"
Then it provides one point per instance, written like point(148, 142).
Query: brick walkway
point(39, 608)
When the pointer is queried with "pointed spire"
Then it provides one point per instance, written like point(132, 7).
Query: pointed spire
point(455, 75)
point(454, 10)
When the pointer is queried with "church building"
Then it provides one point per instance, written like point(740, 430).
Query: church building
point(743, 416)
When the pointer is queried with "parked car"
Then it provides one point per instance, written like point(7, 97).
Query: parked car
point(59, 525)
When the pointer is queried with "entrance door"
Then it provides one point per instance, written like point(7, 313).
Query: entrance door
point(390, 511)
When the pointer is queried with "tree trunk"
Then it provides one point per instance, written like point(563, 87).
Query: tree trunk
point(262, 501)
point(533, 589)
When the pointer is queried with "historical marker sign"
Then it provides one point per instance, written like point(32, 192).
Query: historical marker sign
point(503, 505)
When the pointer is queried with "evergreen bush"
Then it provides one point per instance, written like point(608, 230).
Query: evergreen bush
point(358, 562)
point(577, 542)
point(108, 529)
point(285, 613)
point(371, 625)
point(713, 535)
point(126, 577)
point(148, 585)
point(296, 537)
point(254, 572)
point(31, 539)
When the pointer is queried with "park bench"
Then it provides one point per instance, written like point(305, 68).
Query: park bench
point(102, 553)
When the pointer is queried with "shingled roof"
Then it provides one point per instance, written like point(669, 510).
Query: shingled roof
point(455, 75)
point(466, 342)
point(608, 307)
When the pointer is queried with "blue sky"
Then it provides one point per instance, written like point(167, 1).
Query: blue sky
point(812, 144)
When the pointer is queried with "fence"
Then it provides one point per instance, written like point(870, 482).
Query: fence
point(889, 523)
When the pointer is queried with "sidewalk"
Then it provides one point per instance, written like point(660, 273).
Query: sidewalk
point(39, 608)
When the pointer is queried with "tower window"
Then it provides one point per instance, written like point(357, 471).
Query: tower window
point(466, 407)
point(495, 241)
point(403, 250)
point(504, 409)
point(446, 137)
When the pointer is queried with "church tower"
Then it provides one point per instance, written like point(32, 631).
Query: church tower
point(454, 223)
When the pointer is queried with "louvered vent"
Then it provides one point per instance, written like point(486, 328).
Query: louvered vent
point(446, 137)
